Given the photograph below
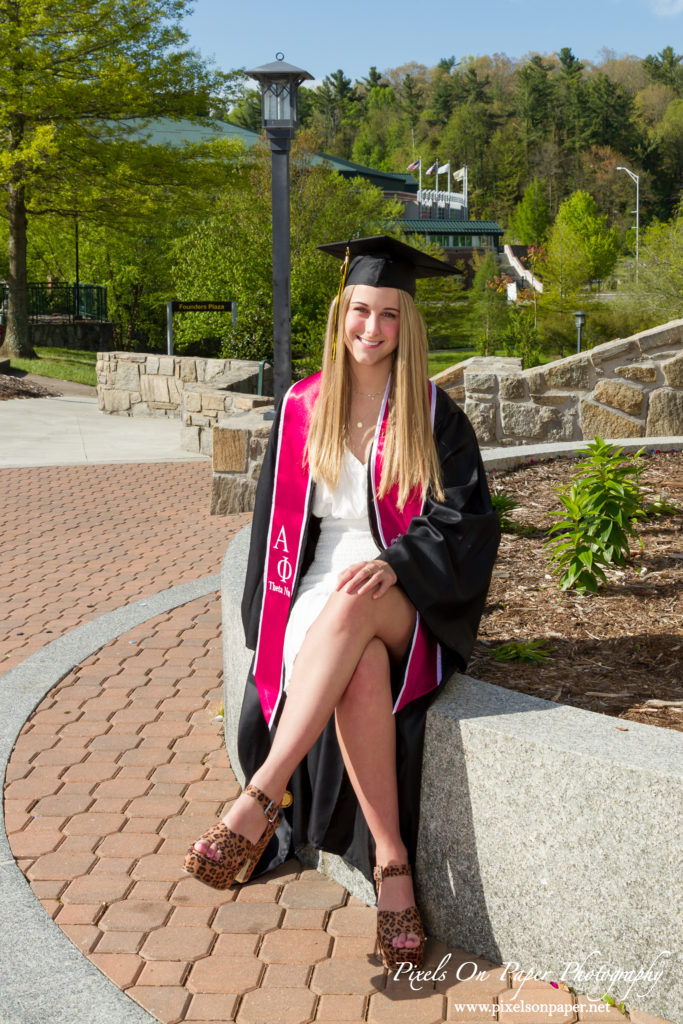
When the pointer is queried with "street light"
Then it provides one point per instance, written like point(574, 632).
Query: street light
point(579, 320)
point(636, 178)
point(279, 88)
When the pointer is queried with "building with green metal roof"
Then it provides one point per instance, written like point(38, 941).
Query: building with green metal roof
point(455, 234)
point(449, 234)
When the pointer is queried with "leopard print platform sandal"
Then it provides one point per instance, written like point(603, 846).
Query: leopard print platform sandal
point(239, 856)
point(391, 923)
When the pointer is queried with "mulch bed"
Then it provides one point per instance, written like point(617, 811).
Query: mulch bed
point(16, 387)
point(618, 652)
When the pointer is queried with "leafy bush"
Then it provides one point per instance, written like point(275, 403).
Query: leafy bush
point(601, 503)
point(504, 504)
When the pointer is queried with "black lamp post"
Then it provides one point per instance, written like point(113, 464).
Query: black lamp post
point(579, 320)
point(279, 88)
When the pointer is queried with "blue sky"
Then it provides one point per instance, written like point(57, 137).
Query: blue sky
point(321, 36)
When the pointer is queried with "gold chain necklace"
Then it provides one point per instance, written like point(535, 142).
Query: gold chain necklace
point(365, 394)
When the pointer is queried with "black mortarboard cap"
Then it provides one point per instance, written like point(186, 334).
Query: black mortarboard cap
point(384, 262)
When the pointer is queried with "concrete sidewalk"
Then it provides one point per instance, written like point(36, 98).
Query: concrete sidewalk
point(71, 431)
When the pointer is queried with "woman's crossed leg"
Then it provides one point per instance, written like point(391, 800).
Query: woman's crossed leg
point(343, 667)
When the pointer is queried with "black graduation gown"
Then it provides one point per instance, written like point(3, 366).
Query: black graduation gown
point(443, 563)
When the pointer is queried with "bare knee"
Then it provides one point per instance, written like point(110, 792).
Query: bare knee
point(349, 613)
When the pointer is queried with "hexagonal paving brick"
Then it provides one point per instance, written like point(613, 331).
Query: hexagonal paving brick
point(129, 844)
point(341, 1008)
point(304, 947)
point(158, 866)
point(134, 915)
point(163, 972)
point(155, 806)
point(122, 788)
point(248, 917)
point(93, 824)
point(316, 892)
point(180, 772)
point(191, 893)
point(66, 805)
point(482, 995)
point(353, 921)
point(227, 974)
point(212, 1007)
point(411, 1007)
point(267, 1004)
point(61, 865)
point(343, 977)
point(177, 943)
point(122, 968)
point(96, 889)
point(521, 1003)
point(166, 1003)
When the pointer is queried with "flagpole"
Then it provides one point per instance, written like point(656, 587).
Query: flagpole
point(437, 186)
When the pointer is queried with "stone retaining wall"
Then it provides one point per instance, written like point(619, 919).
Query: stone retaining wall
point(139, 384)
point(632, 387)
point(87, 335)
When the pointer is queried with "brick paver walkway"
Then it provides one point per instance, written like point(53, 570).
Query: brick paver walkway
point(122, 765)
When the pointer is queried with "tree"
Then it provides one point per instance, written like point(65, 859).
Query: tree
point(658, 290)
point(666, 67)
point(334, 101)
point(611, 115)
point(70, 73)
point(489, 312)
point(531, 219)
point(598, 245)
point(534, 95)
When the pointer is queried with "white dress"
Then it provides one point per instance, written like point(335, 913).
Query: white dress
point(345, 538)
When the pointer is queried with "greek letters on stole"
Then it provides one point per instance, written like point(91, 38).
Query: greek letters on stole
point(289, 515)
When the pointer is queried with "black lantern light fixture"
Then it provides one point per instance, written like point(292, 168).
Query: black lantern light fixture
point(579, 320)
point(280, 83)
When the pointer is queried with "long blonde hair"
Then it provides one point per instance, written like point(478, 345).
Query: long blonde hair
point(409, 457)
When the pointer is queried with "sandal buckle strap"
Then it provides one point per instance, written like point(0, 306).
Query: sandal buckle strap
point(270, 807)
point(379, 873)
point(267, 809)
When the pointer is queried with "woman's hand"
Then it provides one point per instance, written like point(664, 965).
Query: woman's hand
point(363, 577)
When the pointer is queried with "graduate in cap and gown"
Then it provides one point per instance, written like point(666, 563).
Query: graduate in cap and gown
point(372, 546)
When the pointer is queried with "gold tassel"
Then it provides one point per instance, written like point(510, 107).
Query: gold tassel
point(343, 270)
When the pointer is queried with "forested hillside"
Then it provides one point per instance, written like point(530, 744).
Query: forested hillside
point(554, 118)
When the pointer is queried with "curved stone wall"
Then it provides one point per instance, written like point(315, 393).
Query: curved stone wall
point(632, 387)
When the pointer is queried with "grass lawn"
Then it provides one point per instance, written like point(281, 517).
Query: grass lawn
point(62, 363)
point(439, 361)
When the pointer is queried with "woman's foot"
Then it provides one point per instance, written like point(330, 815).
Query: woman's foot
point(224, 855)
point(245, 818)
point(396, 893)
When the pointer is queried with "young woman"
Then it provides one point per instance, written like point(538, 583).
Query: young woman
point(372, 546)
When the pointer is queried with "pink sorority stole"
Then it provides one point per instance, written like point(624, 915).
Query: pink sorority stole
point(423, 668)
point(288, 518)
point(291, 492)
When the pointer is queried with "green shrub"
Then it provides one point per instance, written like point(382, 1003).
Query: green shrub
point(504, 504)
point(601, 503)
